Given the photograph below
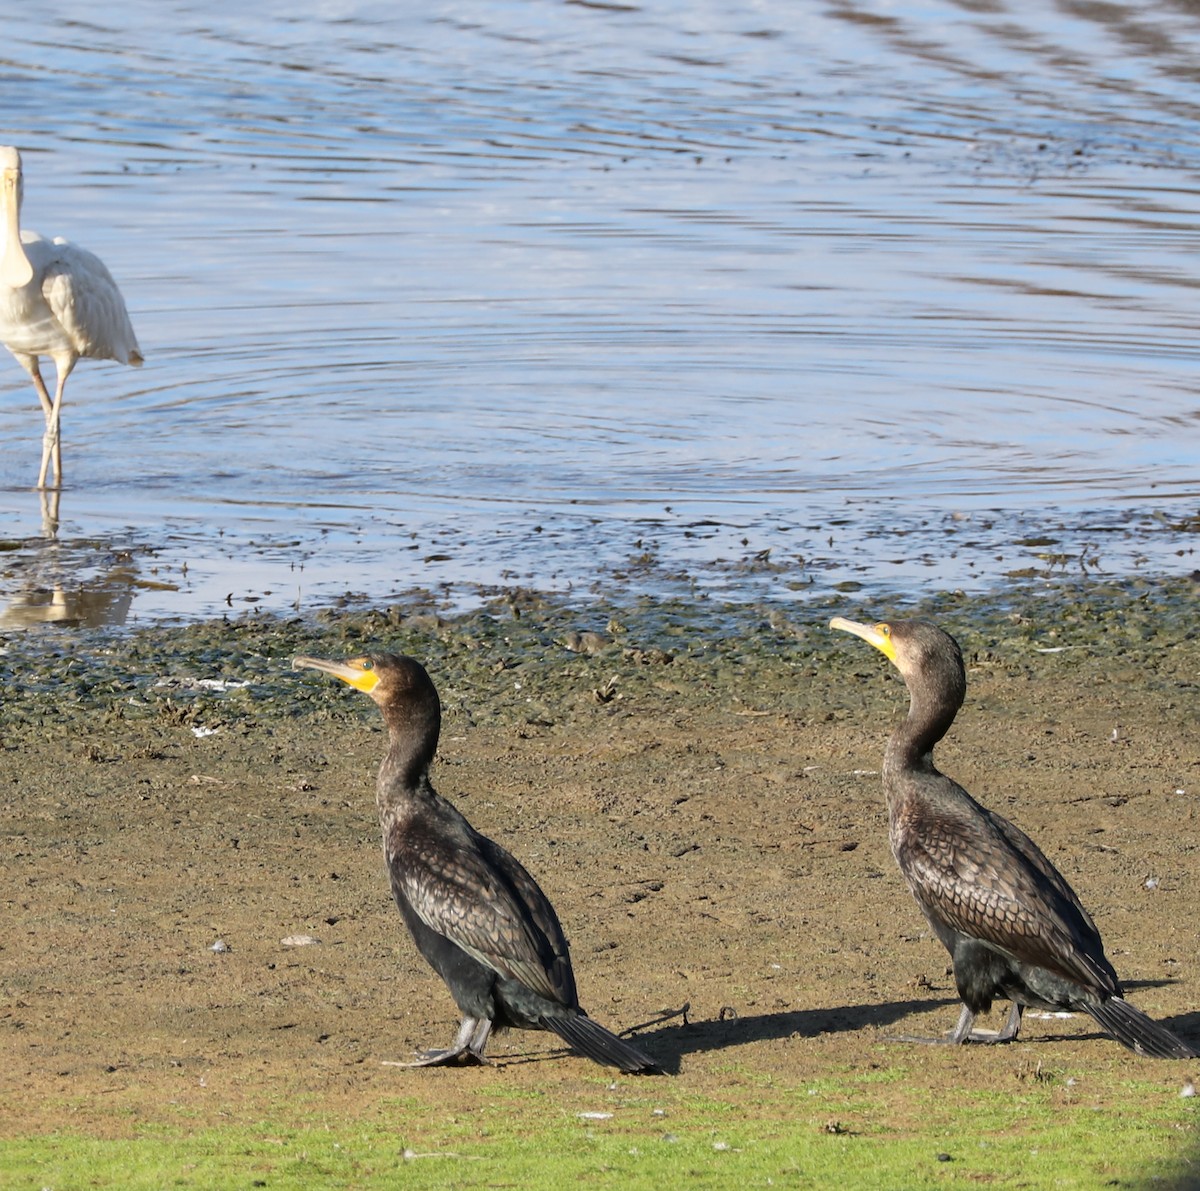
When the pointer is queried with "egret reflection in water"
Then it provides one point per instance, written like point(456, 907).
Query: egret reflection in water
point(48, 594)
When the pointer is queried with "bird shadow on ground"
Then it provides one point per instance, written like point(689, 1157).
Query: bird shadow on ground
point(1166, 983)
point(669, 1044)
point(1186, 1025)
point(672, 1043)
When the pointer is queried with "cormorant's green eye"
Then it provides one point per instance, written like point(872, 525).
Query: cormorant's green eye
point(367, 664)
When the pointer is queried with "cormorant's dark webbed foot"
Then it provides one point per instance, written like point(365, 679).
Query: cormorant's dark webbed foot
point(467, 1050)
point(461, 1057)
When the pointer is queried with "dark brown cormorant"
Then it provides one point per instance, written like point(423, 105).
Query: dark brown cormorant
point(1013, 926)
point(473, 911)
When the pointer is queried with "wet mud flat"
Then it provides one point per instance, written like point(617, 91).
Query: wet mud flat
point(695, 786)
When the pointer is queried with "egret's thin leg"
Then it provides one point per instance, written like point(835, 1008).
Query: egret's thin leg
point(47, 452)
point(50, 501)
point(51, 442)
point(30, 364)
point(35, 374)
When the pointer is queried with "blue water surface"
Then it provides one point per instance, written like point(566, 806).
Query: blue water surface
point(748, 300)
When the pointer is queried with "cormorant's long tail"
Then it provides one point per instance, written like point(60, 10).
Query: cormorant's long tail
point(598, 1044)
point(1132, 1028)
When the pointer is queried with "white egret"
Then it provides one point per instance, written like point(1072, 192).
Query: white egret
point(56, 300)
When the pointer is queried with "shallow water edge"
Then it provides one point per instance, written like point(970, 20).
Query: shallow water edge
point(141, 578)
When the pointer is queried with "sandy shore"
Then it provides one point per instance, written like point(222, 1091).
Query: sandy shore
point(695, 787)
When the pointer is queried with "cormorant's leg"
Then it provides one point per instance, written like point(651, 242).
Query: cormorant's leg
point(462, 1053)
point(1006, 1033)
point(1013, 1025)
point(963, 1032)
point(479, 1039)
point(959, 1034)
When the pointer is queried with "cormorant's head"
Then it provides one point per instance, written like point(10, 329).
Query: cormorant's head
point(406, 696)
point(399, 684)
point(926, 656)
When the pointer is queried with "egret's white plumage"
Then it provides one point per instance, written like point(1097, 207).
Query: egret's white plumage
point(56, 300)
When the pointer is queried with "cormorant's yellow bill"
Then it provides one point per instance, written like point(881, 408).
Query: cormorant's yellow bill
point(879, 635)
point(358, 672)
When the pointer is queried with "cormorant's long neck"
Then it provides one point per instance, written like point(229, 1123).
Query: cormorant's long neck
point(404, 774)
point(910, 748)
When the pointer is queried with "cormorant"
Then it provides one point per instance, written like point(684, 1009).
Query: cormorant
point(1013, 926)
point(473, 911)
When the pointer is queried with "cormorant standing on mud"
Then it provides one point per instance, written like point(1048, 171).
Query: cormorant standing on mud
point(473, 911)
point(1013, 926)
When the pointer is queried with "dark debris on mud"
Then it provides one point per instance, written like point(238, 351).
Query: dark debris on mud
point(525, 657)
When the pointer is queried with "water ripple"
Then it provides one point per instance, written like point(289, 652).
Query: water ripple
point(475, 271)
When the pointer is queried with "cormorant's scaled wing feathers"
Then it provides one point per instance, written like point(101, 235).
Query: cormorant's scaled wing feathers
point(471, 898)
point(980, 882)
point(541, 915)
point(1036, 857)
